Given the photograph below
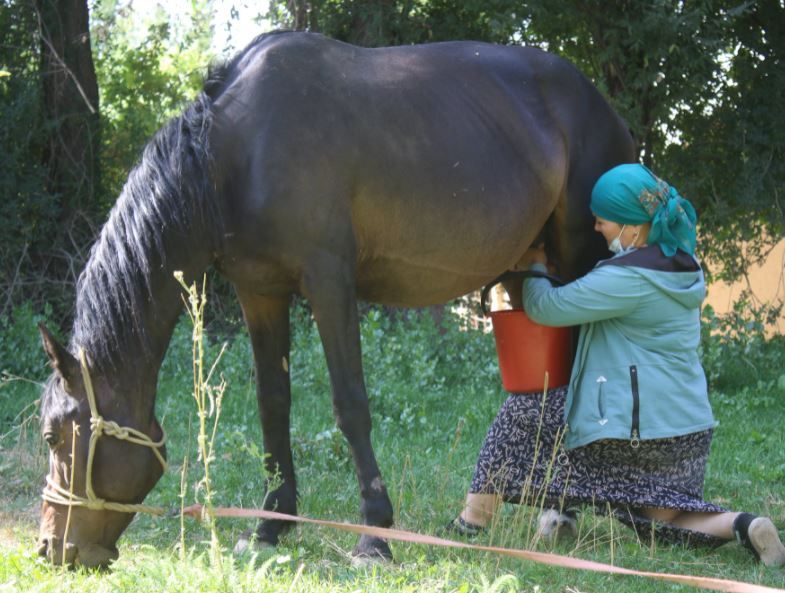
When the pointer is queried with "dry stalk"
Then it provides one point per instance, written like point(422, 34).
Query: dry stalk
point(208, 400)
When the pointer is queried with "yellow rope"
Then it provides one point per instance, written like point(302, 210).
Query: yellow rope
point(58, 495)
point(100, 426)
point(74, 432)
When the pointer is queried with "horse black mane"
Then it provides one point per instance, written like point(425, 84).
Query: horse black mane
point(170, 192)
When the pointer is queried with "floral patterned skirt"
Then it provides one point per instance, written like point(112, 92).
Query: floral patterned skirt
point(522, 460)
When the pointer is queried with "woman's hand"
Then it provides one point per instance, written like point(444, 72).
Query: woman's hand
point(533, 255)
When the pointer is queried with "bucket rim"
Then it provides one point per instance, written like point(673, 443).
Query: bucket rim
point(506, 312)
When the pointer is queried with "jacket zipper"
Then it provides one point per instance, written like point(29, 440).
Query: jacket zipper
point(600, 403)
point(635, 430)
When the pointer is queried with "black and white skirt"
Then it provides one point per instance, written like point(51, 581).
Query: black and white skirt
point(522, 460)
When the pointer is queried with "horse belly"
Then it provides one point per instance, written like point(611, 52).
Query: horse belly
point(425, 235)
point(412, 255)
point(396, 284)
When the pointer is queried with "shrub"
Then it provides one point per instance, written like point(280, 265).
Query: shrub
point(735, 350)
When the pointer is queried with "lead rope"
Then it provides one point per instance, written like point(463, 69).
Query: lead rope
point(100, 426)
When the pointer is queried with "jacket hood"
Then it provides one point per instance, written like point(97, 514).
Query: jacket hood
point(679, 277)
point(686, 288)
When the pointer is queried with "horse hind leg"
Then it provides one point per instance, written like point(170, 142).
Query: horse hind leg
point(267, 319)
point(330, 288)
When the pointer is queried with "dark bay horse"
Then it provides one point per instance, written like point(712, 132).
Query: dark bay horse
point(402, 175)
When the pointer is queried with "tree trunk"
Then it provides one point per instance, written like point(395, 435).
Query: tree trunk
point(300, 10)
point(70, 100)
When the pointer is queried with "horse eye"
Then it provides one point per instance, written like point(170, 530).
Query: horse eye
point(51, 438)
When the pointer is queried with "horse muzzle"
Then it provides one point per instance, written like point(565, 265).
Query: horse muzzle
point(88, 555)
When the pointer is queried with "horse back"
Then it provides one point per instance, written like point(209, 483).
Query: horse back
point(433, 167)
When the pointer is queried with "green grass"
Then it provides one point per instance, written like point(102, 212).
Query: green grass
point(433, 396)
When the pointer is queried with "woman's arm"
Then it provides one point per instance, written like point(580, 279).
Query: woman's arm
point(603, 293)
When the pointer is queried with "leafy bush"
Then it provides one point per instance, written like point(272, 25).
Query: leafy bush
point(23, 368)
point(21, 353)
point(735, 350)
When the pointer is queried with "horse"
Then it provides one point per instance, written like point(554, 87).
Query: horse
point(406, 176)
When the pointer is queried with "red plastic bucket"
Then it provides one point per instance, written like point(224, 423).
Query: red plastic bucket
point(527, 350)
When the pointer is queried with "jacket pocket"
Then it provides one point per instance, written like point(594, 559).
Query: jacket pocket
point(636, 410)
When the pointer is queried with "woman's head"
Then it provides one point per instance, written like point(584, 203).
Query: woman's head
point(635, 199)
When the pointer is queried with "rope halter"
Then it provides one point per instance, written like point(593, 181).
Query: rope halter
point(100, 426)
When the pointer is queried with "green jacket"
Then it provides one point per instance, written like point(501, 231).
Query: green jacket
point(636, 374)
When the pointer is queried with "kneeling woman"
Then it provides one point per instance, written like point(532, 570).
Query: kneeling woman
point(631, 432)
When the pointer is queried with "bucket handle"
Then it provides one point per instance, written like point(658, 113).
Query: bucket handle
point(510, 275)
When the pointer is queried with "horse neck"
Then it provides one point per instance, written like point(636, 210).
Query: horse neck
point(128, 300)
point(128, 343)
point(162, 311)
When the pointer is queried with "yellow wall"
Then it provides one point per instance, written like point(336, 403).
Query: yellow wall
point(767, 283)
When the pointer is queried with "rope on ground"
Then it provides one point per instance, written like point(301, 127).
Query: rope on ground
point(196, 511)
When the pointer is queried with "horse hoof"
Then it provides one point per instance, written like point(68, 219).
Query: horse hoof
point(371, 550)
point(248, 543)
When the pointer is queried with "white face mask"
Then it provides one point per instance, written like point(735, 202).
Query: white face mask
point(615, 246)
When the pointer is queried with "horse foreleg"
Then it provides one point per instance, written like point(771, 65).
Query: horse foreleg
point(330, 288)
point(267, 320)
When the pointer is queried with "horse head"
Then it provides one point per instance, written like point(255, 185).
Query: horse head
point(83, 511)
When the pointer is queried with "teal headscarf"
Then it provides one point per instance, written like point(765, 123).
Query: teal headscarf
point(631, 194)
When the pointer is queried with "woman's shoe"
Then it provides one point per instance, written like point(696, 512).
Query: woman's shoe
point(464, 529)
point(763, 536)
point(760, 536)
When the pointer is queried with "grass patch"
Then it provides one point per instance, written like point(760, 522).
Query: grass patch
point(433, 392)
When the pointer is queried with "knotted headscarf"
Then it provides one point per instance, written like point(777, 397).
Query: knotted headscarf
point(631, 194)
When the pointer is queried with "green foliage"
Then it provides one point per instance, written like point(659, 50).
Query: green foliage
point(370, 24)
point(23, 369)
point(412, 366)
point(21, 353)
point(735, 351)
point(27, 211)
point(652, 59)
point(731, 159)
point(47, 152)
point(22, 196)
point(147, 72)
point(373, 24)
point(496, 21)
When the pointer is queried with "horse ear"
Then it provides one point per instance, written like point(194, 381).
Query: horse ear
point(63, 362)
